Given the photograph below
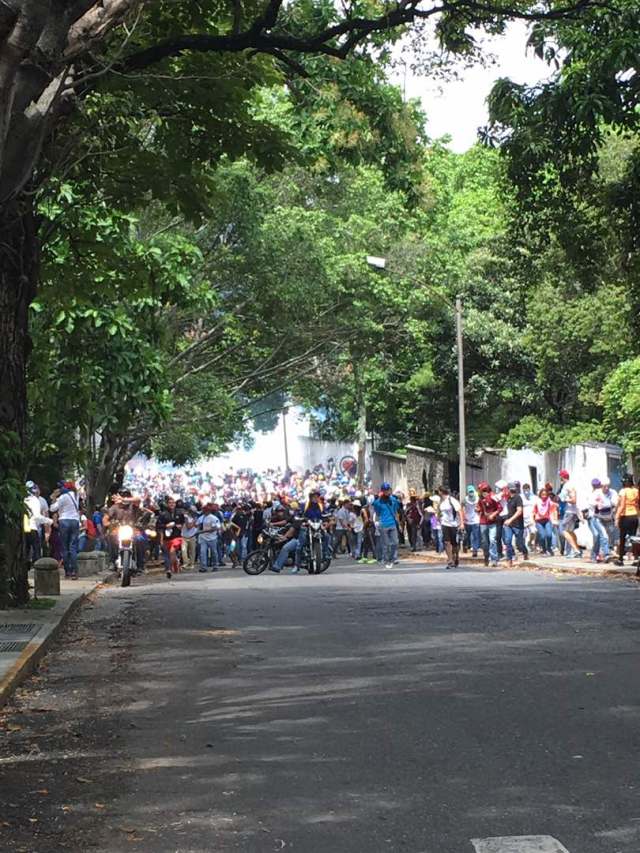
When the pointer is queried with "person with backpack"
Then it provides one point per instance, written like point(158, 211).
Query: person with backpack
point(452, 521)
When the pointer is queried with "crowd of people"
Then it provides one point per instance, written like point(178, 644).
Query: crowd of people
point(192, 519)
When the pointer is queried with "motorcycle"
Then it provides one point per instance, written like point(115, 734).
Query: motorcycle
point(126, 558)
point(313, 558)
point(262, 558)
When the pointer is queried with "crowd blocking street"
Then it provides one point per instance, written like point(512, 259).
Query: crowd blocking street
point(189, 521)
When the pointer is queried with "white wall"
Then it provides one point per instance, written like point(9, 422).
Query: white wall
point(267, 451)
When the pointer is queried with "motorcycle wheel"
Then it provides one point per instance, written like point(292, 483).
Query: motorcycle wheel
point(256, 562)
point(324, 564)
point(126, 569)
point(315, 561)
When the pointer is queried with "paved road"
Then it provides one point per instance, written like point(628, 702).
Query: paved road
point(362, 711)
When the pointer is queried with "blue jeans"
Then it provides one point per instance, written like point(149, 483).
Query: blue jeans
point(600, 538)
point(69, 534)
point(283, 556)
point(388, 544)
point(545, 536)
point(508, 535)
point(438, 539)
point(473, 536)
point(208, 552)
point(357, 548)
point(244, 541)
point(489, 536)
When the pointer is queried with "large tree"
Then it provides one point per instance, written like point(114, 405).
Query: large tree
point(54, 54)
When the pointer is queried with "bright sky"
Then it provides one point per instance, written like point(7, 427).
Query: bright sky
point(458, 108)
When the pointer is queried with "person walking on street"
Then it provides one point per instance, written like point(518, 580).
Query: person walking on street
point(571, 516)
point(627, 515)
point(600, 547)
point(65, 504)
point(387, 506)
point(489, 509)
point(542, 514)
point(513, 527)
point(452, 521)
point(472, 521)
point(413, 515)
point(528, 501)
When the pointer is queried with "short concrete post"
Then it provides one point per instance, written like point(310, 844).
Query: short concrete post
point(46, 576)
point(87, 564)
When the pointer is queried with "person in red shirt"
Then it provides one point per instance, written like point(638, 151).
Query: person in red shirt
point(489, 509)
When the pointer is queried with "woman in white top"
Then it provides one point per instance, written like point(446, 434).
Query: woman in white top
point(452, 520)
point(66, 504)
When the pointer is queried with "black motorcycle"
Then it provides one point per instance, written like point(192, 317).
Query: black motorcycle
point(270, 541)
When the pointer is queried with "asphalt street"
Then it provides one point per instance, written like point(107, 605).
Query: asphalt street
point(365, 710)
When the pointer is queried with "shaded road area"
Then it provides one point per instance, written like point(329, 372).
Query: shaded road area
point(363, 710)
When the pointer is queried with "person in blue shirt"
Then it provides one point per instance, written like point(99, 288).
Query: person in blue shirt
point(387, 507)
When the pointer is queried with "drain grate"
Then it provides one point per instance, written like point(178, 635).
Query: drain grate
point(16, 646)
point(19, 628)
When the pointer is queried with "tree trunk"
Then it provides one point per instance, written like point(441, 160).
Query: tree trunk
point(19, 262)
point(102, 470)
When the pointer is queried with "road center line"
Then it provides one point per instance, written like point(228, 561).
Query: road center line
point(519, 844)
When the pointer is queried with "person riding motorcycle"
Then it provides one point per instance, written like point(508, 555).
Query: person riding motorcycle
point(291, 536)
point(313, 511)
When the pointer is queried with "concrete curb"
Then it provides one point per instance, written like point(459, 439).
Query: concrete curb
point(38, 647)
point(530, 565)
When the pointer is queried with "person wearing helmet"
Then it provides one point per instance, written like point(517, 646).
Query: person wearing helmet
point(600, 547)
point(386, 507)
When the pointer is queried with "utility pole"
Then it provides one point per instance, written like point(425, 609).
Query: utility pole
point(286, 443)
point(461, 418)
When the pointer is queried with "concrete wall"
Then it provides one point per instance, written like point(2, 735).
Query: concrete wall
point(390, 468)
point(582, 461)
point(425, 469)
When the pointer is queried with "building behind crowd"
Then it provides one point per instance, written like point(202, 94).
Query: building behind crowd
point(420, 468)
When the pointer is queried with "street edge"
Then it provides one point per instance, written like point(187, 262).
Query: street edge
point(36, 649)
point(530, 565)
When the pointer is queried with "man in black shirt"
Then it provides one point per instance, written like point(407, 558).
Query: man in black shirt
point(513, 527)
point(291, 534)
point(169, 527)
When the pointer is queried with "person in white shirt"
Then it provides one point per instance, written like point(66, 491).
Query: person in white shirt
point(34, 522)
point(210, 528)
point(356, 524)
point(452, 521)
point(607, 514)
point(65, 503)
point(530, 530)
point(472, 521)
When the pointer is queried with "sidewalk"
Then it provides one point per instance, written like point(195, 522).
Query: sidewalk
point(556, 565)
point(26, 634)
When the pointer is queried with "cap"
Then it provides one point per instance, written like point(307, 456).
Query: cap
point(471, 489)
point(484, 486)
point(501, 484)
point(596, 483)
point(564, 474)
point(30, 485)
point(605, 481)
point(385, 487)
point(512, 486)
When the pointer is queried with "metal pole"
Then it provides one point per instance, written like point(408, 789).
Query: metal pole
point(461, 419)
point(286, 443)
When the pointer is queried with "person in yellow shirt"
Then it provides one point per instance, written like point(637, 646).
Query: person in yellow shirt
point(627, 514)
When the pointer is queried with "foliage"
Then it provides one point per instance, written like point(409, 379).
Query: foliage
point(621, 402)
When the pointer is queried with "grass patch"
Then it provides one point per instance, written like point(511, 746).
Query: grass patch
point(40, 604)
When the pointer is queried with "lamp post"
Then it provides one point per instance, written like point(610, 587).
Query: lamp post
point(381, 264)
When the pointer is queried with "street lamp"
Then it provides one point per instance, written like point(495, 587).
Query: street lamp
point(381, 264)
